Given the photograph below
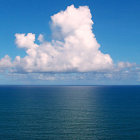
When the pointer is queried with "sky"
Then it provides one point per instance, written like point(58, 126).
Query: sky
point(75, 42)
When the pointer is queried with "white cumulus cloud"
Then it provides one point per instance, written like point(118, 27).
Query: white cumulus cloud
point(125, 65)
point(74, 48)
point(5, 63)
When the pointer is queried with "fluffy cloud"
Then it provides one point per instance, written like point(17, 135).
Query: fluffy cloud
point(74, 50)
point(125, 65)
point(5, 63)
point(26, 41)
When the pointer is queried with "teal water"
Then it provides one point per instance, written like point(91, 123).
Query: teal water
point(70, 112)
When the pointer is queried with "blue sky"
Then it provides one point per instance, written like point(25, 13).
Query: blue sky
point(116, 28)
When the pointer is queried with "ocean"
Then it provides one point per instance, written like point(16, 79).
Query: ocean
point(70, 112)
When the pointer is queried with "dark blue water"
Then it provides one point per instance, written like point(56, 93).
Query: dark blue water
point(70, 112)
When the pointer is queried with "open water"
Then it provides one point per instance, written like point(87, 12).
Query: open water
point(70, 112)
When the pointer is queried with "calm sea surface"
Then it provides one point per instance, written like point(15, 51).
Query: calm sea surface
point(70, 112)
